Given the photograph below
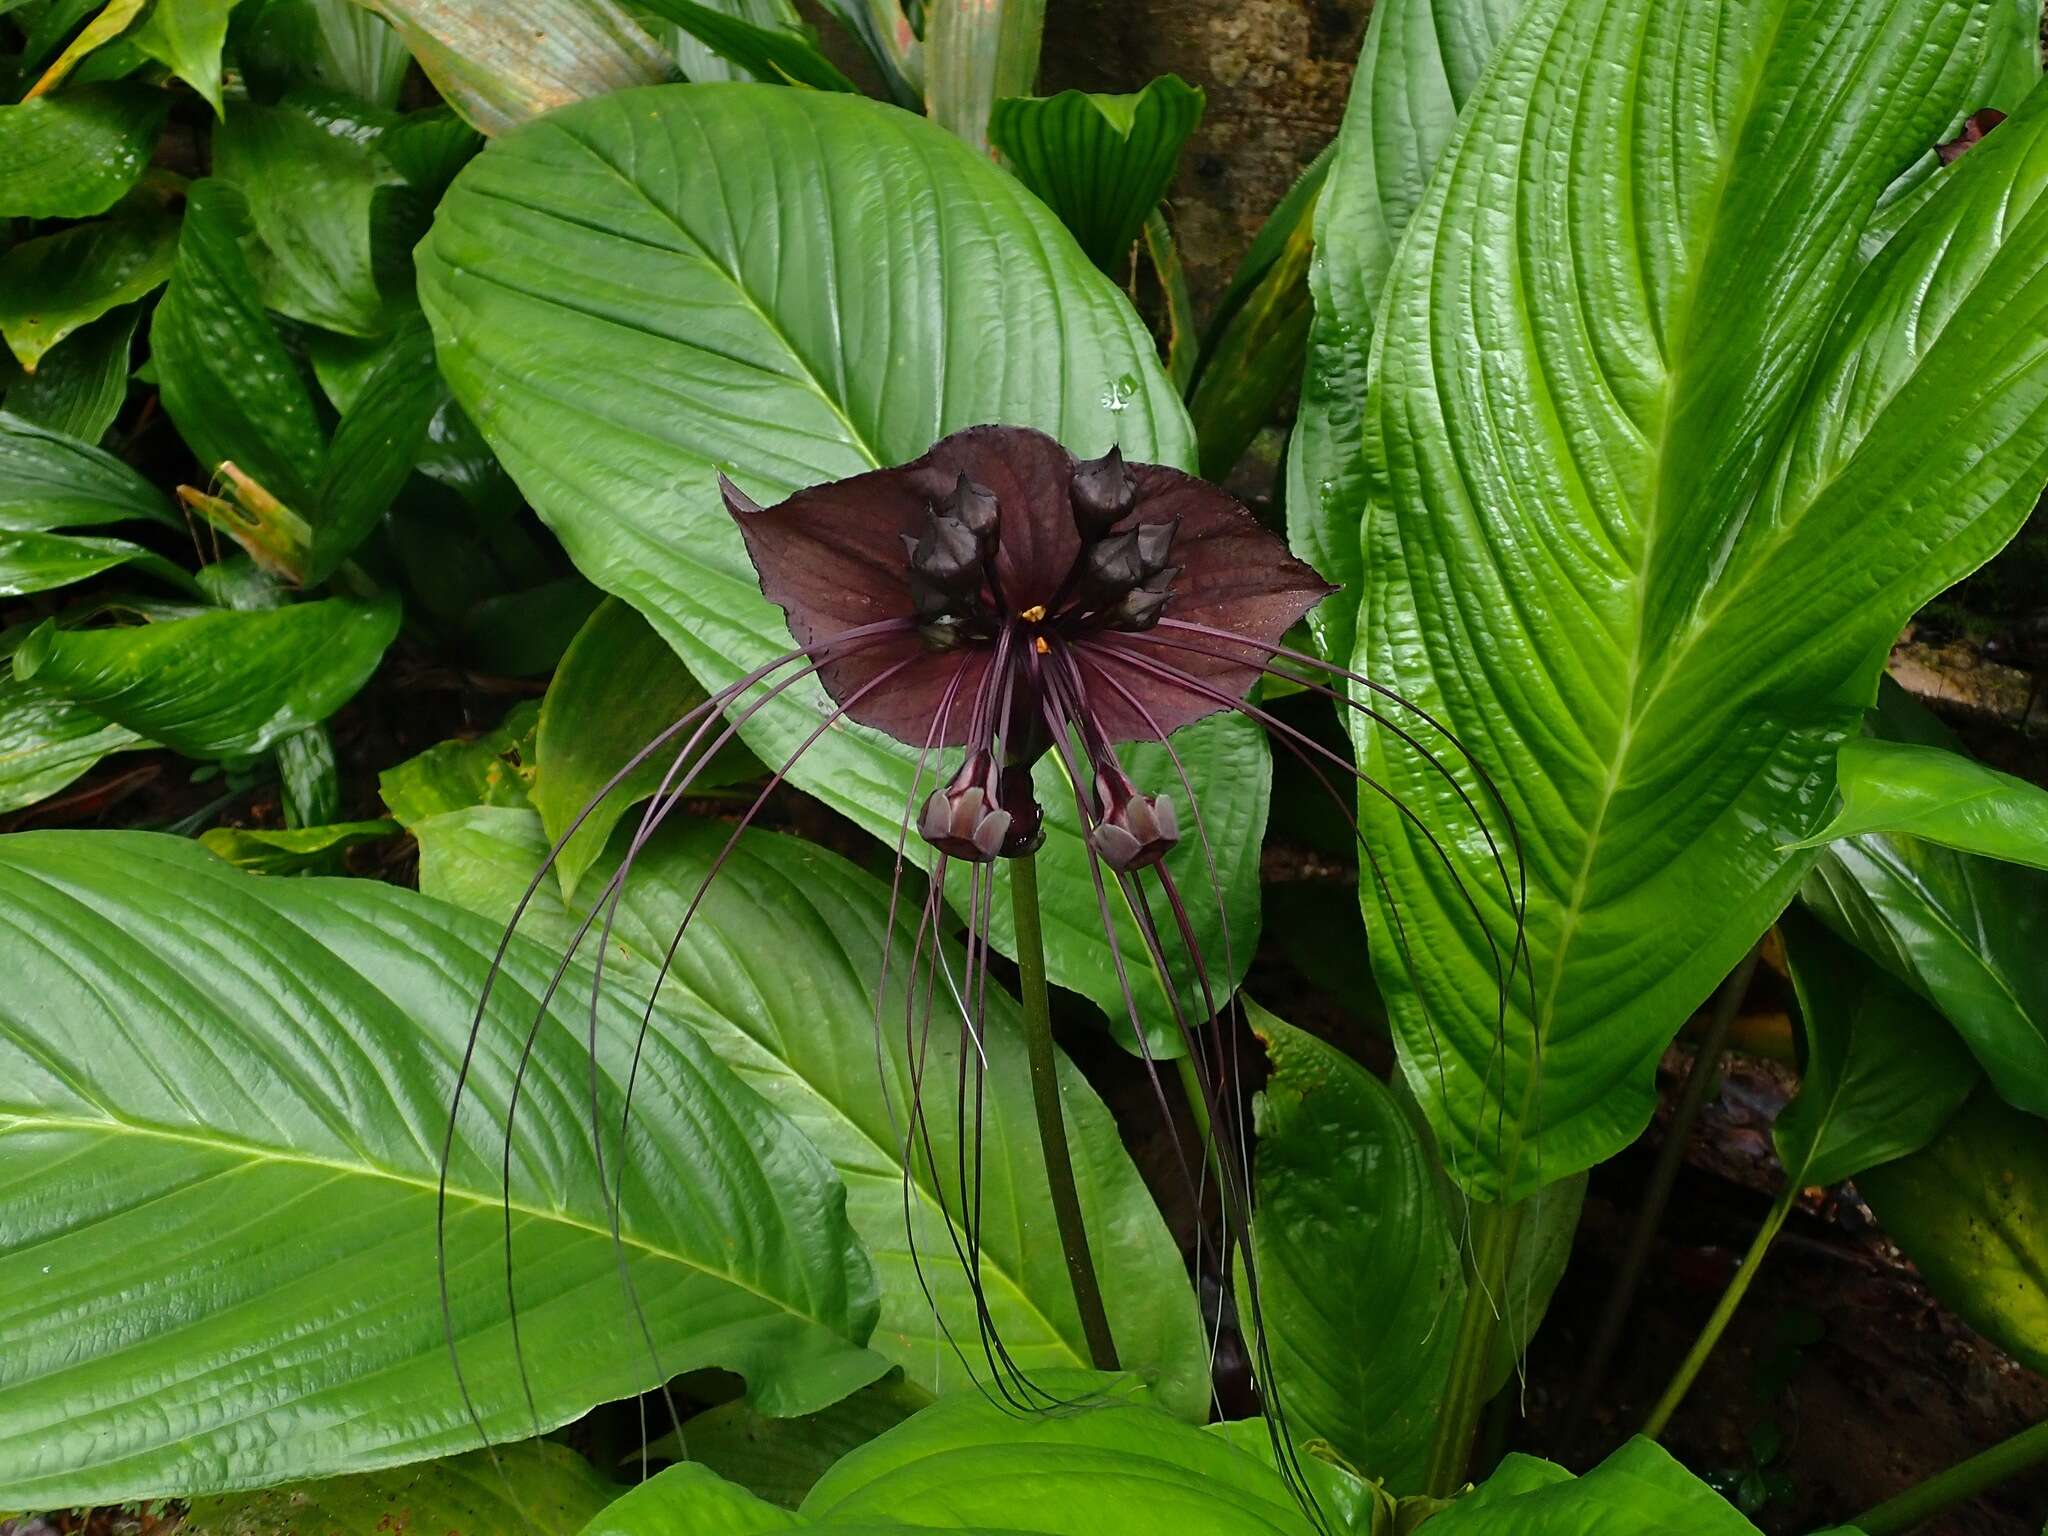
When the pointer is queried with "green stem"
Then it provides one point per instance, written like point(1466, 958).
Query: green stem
point(1052, 1128)
point(1965, 1480)
point(1495, 1229)
point(1689, 1368)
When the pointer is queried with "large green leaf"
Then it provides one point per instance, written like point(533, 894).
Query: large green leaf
point(500, 63)
point(382, 434)
point(1900, 787)
point(227, 381)
point(52, 286)
point(534, 1489)
point(1971, 1211)
point(47, 741)
point(337, 45)
point(495, 768)
point(230, 1094)
point(780, 1460)
point(49, 480)
point(781, 979)
point(1421, 59)
point(1640, 1488)
point(690, 1500)
point(1114, 1464)
point(1358, 1269)
point(645, 288)
point(309, 193)
point(619, 686)
point(1883, 1071)
point(217, 684)
point(1100, 162)
point(72, 155)
point(1607, 476)
point(78, 388)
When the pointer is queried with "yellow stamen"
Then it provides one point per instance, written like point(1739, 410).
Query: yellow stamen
point(1042, 646)
point(1033, 614)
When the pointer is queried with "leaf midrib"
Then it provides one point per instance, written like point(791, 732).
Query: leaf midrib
point(17, 1119)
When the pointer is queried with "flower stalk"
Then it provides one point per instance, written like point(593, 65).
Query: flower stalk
point(1052, 1127)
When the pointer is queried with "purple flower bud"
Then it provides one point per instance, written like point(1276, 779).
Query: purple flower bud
point(975, 509)
point(1132, 831)
point(1103, 492)
point(983, 813)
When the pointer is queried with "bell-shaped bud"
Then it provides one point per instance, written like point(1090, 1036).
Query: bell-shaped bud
point(1132, 831)
point(1111, 566)
point(984, 813)
point(1103, 493)
point(974, 508)
point(1155, 546)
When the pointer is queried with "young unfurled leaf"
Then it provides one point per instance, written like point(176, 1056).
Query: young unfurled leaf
point(1100, 162)
point(51, 286)
point(74, 155)
point(217, 684)
point(226, 379)
point(111, 22)
point(273, 1152)
point(499, 64)
point(1904, 789)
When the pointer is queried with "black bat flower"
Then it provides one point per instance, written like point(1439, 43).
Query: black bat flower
point(1000, 598)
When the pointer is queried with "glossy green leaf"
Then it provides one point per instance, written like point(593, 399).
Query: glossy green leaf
point(39, 562)
point(497, 768)
point(218, 684)
point(309, 195)
point(1883, 1071)
point(689, 1500)
point(780, 1459)
point(555, 276)
point(1255, 351)
point(1112, 1465)
point(1901, 788)
point(1966, 933)
point(703, 64)
point(427, 148)
point(781, 980)
point(73, 155)
point(1420, 61)
point(785, 53)
point(293, 851)
point(47, 742)
point(619, 686)
point(499, 64)
point(1100, 162)
point(1359, 1277)
point(52, 286)
point(534, 1489)
point(48, 480)
point(1971, 1211)
point(1180, 342)
point(1607, 488)
point(226, 379)
point(187, 36)
point(973, 57)
point(308, 778)
point(1640, 1488)
point(186, 1298)
point(78, 388)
